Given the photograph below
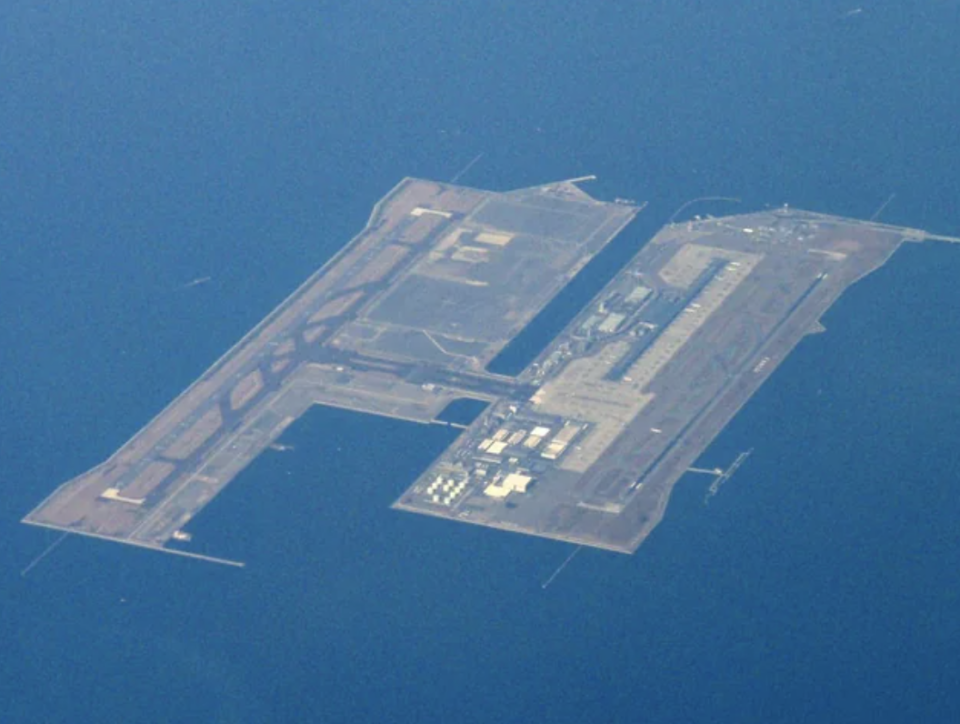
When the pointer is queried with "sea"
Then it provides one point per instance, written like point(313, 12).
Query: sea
point(170, 171)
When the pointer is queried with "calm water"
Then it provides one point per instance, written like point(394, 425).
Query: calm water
point(146, 146)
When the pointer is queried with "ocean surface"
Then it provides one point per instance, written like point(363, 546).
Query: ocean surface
point(146, 145)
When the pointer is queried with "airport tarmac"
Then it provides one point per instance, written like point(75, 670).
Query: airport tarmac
point(401, 322)
point(585, 445)
point(637, 386)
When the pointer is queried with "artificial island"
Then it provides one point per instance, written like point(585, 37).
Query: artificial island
point(584, 445)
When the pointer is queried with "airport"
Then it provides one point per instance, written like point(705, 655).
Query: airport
point(584, 445)
point(640, 382)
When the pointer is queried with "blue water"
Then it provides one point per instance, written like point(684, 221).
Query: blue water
point(146, 145)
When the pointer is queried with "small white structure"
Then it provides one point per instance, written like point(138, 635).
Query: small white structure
point(512, 483)
point(114, 494)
